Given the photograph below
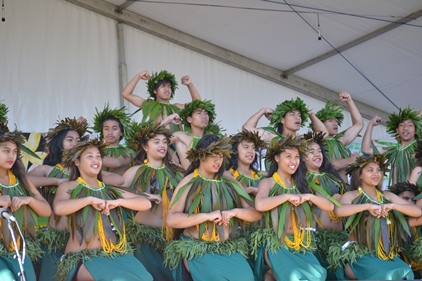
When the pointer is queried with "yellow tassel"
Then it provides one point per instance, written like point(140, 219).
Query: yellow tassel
point(166, 203)
point(381, 250)
point(298, 235)
point(234, 172)
point(107, 244)
point(12, 178)
point(333, 217)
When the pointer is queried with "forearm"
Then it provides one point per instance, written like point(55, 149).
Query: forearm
point(268, 203)
point(183, 220)
point(193, 92)
point(340, 164)
point(349, 209)
point(410, 210)
point(355, 114)
point(69, 206)
point(248, 214)
point(136, 203)
point(40, 206)
point(322, 203)
point(252, 122)
point(367, 139)
point(43, 181)
point(317, 124)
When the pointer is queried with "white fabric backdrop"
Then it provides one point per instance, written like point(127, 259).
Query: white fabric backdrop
point(60, 60)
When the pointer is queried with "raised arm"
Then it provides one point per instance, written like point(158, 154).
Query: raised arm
point(252, 123)
point(357, 121)
point(414, 176)
point(367, 137)
point(317, 124)
point(187, 81)
point(127, 92)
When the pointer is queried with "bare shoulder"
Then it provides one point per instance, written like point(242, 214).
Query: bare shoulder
point(266, 183)
point(348, 197)
point(68, 185)
point(41, 171)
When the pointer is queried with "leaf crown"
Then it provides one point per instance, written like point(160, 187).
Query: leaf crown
point(159, 76)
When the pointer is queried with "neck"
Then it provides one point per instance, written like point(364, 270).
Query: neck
point(91, 180)
point(197, 132)
point(4, 172)
point(161, 100)
point(286, 178)
point(287, 131)
point(113, 144)
point(370, 190)
point(206, 174)
point(244, 169)
point(314, 170)
point(405, 143)
point(155, 163)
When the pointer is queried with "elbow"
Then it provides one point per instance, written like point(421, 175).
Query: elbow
point(58, 211)
point(170, 221)
point(259, 206)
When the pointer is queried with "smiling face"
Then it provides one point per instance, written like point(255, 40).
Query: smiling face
point(406, 130)
point(90, 162)
point(246, 152)
point(371, 175)
point(313, 157)
point(8, 154)
point(288, 161)
point(156, 148)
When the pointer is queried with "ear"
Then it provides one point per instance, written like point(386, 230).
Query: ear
point(77, 162)
point(282, 120)
point(155, 92)
point(277, 158)
point(189, 119)
point(145, 147)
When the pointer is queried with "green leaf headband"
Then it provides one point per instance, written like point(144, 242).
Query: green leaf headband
point(70, 155)
point(157, 77)
point(222, 146)
point(278, 145)
point(404, 114)
point(189, 108)
point(330, 111)
point(286, 106)
point(146, 131)
point(3, 112)
point(362, 161)
point(246, 135)
point(119, 114)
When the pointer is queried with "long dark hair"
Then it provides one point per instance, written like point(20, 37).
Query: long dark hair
point(18, 168)
point(55, 149)
point(233, 160)
point(204, 142)
point(142, 154)
point(326, 166)
point(74, 170)
point(299, 179)
point(355, 178)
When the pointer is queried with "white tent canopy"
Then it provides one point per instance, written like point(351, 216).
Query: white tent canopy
point(64, 59)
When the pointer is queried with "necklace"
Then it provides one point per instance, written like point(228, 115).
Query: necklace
point(13, 181)
point(380, 197)
point(82, 182)
point(279, 181)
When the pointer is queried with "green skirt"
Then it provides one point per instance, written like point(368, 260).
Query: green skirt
point(153, 260)
point(121, 267)
point(216, 265)
point(287, 265)
point(9, 269)
point(370, 267)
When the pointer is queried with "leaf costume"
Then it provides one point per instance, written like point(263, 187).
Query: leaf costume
point(27, 220)
point(292, 251)
point(150, 241)
point(378, 241)
point(205, 196)
point(336, 149)
point(152, 109)
point(116, 152)
point(402, 162)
